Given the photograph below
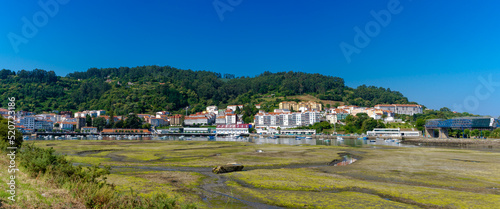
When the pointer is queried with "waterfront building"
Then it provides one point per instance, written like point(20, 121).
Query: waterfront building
point(125, 131)
point(233, 129)
point(392, 132)
point(298, 131)
point(92, 130)
point(197, 130)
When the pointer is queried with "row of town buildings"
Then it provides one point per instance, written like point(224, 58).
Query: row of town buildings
point(311, 113)
point(306, 113)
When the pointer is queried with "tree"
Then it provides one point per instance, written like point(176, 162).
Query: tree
point(475, 132)
point(420, 124)
point(146, 126)
point(89, 120)
point(467, 133)
point(99, 123)
point(486, 133)
point(56, 125)
point(445, 109)
point(119, 124)
point(133, 121)
point(4, 135)
point(111, 122)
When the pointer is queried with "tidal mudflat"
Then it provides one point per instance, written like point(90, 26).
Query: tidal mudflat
point(303, 176)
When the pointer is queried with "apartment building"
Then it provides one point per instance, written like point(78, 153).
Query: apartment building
point(286, 119)
point(404, 109)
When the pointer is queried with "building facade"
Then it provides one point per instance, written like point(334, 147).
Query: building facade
point(404, 109)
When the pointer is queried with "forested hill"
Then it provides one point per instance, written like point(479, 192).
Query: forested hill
point(152, 88)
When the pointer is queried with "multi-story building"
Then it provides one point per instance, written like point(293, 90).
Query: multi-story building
point(155, 122)
point(70, 126)
point(404, 109)
point(310, 105)
point(28, 122)
point(231, 119)
point(176, 120)
point(220, 120)
point(46, 125)
point(200, 119)
point(286, 119)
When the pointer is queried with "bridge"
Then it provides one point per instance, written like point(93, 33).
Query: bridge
point(471, 123)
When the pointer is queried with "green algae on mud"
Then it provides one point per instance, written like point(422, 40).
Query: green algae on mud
point(297, 176)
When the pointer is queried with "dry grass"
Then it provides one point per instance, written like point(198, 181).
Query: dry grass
point(34, 193)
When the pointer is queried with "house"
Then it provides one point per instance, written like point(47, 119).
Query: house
point(258, 106)
point(162, 113)
point(4, 111)
point(89, 130)
point(212, 109)
point(233, 107)
point(233, 129)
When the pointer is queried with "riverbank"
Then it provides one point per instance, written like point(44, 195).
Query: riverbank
point(296, 176)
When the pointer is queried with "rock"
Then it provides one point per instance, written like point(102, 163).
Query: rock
point(227, 168)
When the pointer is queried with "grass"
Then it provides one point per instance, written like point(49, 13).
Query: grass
point(384, 177)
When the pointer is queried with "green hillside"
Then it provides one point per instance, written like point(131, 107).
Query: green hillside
point(148, 89)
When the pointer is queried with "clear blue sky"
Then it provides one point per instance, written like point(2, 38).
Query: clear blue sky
point(434, 52)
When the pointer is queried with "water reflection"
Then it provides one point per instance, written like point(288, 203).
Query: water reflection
point(257, 140)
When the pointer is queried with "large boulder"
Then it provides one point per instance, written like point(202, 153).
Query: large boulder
point(232, 167)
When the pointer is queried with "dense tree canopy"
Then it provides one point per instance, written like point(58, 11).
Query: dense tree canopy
point(148, 89)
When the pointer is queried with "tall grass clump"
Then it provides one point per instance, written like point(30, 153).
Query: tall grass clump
point(87, 184)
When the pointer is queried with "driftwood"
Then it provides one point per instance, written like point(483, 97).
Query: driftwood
point(227, 168)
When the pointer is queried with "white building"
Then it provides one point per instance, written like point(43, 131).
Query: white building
point(405, 109)
point(233, 107)
point(231, 119)
point(196, 130)
point(286, 119)
point(212, 109)
point(392, 132)
point(233, 129)
point(298, 131)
